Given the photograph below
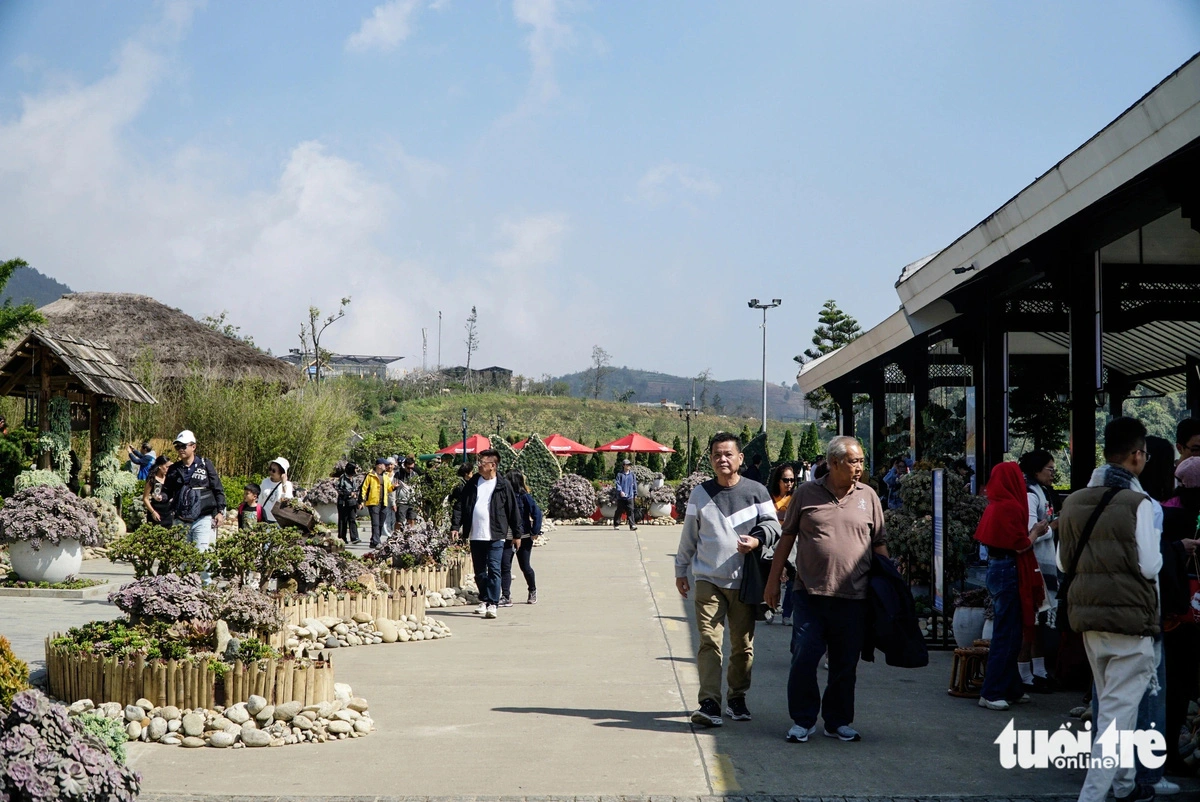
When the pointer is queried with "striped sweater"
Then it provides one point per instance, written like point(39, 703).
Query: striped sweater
point(715, 517)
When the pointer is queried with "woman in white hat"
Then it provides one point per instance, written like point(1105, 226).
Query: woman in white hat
point(275, 488)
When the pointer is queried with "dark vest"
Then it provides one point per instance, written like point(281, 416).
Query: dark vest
point(1109, 593)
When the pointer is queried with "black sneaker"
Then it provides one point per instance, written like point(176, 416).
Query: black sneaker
point(736, 709)
point(1140, 793)
point(708, 715)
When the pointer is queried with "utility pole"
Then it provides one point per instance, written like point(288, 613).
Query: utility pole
point(686, 412)
point(424, 349)
point(754, 304)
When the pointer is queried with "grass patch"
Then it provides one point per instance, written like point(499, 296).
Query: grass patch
point(14, 581)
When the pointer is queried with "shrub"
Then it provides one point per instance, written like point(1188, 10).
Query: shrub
point(248, 610)
point(572, 497)
point(110, 732)
point(37, 478)
point(263, 549)
point(676, 465)
point(108, 520)
point(787, 451)
point(541, 469)
point(167, 598)
point(509, 456)
point(39, 514)
point(910, 529)
point(684, 491)
point(153, 549)
point(14, 674)
point(432, 490)
point(44, 755)
point(423, 544)
point(323, 492)
point(252, 649)
point(662, 495)
point(133, 512)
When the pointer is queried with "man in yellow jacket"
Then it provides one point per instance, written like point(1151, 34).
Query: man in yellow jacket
point(374, 496)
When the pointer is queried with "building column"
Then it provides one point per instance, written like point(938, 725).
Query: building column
point(1193, 386)
point(918, 372)
point(992, 401)
point(844, 399)
point(878, 419)
point(1086, 363)
point(1119, 389)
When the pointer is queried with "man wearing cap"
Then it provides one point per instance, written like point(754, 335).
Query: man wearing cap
point(626, 493)
point(374, 496)
point(195, 492)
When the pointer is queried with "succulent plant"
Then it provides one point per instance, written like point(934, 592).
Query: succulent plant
point(46, 756)
point(108, 520)
point(168, 598)
point(14, 674)
point(37, 478)
point(421, 544)
point(47, 514)
point(662, 495)
point(572, 497)
point(246, 609)
point(684, 491)
point(323, 492)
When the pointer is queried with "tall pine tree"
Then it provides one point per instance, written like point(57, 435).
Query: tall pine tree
point(698, 456)
point(595, 466)
point(654, 460)
point(443, 438)
point(787, 452)
point(834, 329)
point(746, 435)
point(810, 444)
point(677, 464)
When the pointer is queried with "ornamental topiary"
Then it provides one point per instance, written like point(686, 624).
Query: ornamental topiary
point(910, 528)
point(168, 598)
point(263, 549)
point(14, 674)
point(572, 496)
point(40, 515)
point(508, 455)
point(541, 469)
point(46, 756)
point(153, 549)
point(37, 479)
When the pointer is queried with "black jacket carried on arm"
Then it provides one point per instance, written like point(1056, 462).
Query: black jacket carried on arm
point(206, 494)
point(503, 511)
point(892, 618)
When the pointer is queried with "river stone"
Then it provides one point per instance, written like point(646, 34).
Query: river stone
point(361, 618)
point(287, 711)
point(193, 725)
point(342, 692)
point(332, 642)
point(134, 713)
point(330, 621)
point(387, 629)
point(403, 635)
point(353, 640)
point(317, 628)
point(191, 742)
point(326, 710)
point(173, 725)
point(249, 724)
point(157, 728)
point(341, 629)
point(221, 739)
point(345, 715)
point(238, 714)
point(255, 704)
point(303, 722)
point(170, 712)
point(256, 737)
point(339, 727)
point(223, 637)
point(362, 727)
point(170, 740)
point(82, 706)
point(145, 704)
point(266, 715)
point(358, 704)
point(134, 730)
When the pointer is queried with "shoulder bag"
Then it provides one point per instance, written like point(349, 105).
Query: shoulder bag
point(1061, 617)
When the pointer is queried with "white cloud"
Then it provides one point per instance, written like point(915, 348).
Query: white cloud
point(549, 35)
point(530, 242)
point(669, 181)
point(388, 26)
point(420, 174)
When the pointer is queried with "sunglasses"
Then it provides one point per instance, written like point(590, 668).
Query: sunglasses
point(788, 481)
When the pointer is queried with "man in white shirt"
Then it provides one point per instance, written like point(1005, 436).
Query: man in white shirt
point(487, 516)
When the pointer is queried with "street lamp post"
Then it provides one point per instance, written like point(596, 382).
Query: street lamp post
point(686, 412)
point(754, 304)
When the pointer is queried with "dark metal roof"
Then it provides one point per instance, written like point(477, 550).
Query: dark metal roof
point(1163, 345)
point(92, 364)
point(335, 360)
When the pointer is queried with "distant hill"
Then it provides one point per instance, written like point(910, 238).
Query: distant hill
point(741, 397)
point(27, 285)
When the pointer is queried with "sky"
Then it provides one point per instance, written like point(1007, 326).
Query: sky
point(611, 173)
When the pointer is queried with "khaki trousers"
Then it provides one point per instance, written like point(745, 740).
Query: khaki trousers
point(1121, 667)
point(713, 606)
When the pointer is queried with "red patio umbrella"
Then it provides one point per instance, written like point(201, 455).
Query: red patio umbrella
point(634, 443)
point(475, 444)
point(560, 446)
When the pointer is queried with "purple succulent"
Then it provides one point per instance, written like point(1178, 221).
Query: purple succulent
point(249, 610)
point(169, 597)
point(572, 496)
point(47, 514)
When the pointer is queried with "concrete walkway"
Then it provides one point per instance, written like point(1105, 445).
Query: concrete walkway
point(587, 695)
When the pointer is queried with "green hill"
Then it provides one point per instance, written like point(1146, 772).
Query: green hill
point(29, 286)
point(581, 419)
point(741, 397)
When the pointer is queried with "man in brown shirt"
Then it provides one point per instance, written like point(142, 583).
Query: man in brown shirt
point(836, 522)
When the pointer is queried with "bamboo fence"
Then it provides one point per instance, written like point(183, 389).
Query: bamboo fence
point(184, 684)
point(391, 605)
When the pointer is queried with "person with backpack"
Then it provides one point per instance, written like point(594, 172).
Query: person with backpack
point(530, 515)
point(275, 488)
point(347, 504)
point(194, 489)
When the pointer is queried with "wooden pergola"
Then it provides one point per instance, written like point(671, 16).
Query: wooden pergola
point(47, 365)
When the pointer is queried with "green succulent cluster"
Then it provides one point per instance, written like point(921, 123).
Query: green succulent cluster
point(14, 674)
point(541, 469)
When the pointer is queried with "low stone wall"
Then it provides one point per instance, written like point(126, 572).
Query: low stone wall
point(184, 684)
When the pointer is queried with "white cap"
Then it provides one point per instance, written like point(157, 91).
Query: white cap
point(186, 437)
point(282, 463)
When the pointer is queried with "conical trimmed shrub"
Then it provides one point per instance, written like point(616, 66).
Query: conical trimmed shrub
point(541, 469)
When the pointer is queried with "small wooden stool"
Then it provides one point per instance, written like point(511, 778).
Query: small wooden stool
point(966, 672)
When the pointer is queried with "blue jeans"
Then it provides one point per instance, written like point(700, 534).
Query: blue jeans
point(202, 535)
point(1002, 680)
point(820, 624)
point(485, 558)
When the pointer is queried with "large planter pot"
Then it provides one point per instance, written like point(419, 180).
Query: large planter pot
point(51, 563)
point(660, 510)
point(328, 513)
point(643, 490)
point(655, 484)
point(608, 510)
point(968, 625)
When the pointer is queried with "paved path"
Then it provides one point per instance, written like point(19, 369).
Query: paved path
point(587, 693)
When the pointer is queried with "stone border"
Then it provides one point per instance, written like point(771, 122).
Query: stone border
point(190, 797)
point(94, 592)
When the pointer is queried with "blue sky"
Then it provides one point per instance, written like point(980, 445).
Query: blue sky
point(607, 173)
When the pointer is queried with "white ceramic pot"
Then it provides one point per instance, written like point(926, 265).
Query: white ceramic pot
point(660, 510)
point(51, 563)
point(968, 625)
point(608, 510)
point(643, 490)
point(327, 513)
point(655, 484)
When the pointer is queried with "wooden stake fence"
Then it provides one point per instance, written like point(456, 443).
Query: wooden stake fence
point(184, 684)
point(392, 605)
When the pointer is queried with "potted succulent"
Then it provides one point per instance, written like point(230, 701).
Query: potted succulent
point(662, 500)
point(572, 496)
point(46, 529)
point(323, 497)
point(606, 499)
point(971, 608)
point(644, 477)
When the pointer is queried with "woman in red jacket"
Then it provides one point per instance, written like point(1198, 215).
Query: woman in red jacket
point(1013, 580)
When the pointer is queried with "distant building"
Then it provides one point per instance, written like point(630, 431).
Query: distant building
point(484, 377)
point(663, 404)
point(366, 367)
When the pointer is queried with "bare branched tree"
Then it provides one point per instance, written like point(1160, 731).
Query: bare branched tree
point(472, 340)
point(598, 371)
point(312, 332)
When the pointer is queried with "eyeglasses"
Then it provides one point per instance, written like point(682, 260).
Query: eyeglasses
point(1143, 452)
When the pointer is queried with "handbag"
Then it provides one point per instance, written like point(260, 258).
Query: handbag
point(754, 584)
point(1062, 615)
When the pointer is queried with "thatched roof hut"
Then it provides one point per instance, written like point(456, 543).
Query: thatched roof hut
point(130, 324)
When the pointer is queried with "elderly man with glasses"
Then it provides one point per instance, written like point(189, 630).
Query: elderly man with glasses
point(195, 492)
point(836, 522)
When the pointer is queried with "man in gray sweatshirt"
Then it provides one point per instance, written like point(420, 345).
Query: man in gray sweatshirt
point(727, 518)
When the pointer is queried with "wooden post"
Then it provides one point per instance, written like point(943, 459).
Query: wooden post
point(93, 402)
point(43, 367)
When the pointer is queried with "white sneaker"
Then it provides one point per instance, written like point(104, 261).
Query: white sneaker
point(491, 611)
point(799, 735)
point(481, 609)
point(999, 704)
point(1165, 787)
